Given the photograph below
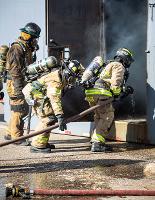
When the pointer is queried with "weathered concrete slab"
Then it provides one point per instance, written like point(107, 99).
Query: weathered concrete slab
point(72, 166)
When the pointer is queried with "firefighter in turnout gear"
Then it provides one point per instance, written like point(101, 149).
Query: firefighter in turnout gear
point(3, 52)
point(45, 95)
point(19, 56)
point(106, 88)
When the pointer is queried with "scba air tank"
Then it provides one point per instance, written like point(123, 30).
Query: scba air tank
point(42, 66)
point(93, 68)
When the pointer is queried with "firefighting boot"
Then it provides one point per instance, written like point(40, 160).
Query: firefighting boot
point(47, 149)
point(100, 147)
point(22, 143)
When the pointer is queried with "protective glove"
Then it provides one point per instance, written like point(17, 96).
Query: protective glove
point(128, 90)
point(62, 124)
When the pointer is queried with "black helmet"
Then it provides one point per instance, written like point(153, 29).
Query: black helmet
point(75, 68)
point(125, 55)
point(32, 29)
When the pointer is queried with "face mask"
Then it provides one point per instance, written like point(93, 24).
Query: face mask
point(34, 44)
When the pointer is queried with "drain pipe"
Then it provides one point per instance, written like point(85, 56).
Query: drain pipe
point(18, 191)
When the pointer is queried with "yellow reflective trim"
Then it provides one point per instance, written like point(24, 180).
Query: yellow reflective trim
point(42, 139)
point(105, 74)
point(74, 69)
point(98, 91)
point(58, 91)
point(127, 51)
point(90, 99)
point(98, 138)
point(116, 90)
point(37, 94)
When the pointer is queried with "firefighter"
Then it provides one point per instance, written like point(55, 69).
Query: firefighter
point(3, 52)
point(106, 88)
point(19, 56)
point(45, 94)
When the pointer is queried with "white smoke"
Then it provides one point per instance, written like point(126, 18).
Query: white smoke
point(126, 26)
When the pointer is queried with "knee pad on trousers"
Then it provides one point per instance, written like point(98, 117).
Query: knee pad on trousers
point(20, 108)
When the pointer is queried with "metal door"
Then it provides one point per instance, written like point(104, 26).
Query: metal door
point(79, 25)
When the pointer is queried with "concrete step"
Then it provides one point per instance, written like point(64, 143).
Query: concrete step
point(130, 130)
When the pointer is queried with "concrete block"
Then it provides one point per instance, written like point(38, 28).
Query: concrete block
point(131, 130)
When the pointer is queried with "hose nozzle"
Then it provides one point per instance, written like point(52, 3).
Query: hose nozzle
point(17, 191)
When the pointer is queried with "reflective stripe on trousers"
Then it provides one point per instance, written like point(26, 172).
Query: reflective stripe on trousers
point(97, 138)
point(41, 140)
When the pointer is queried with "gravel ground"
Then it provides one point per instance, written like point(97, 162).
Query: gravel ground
point(72, 166)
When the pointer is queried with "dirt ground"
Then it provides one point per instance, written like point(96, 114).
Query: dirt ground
point(72, 166)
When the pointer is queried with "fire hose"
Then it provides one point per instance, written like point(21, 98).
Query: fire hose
point(26, 193)
point(70, 119)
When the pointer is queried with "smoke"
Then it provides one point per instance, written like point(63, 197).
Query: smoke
point(92, 43)
point(126, 26)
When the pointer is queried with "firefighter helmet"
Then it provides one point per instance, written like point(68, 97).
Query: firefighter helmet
point(32, 29)
point(3, 53)
point(125, 55)
point(75, 68)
